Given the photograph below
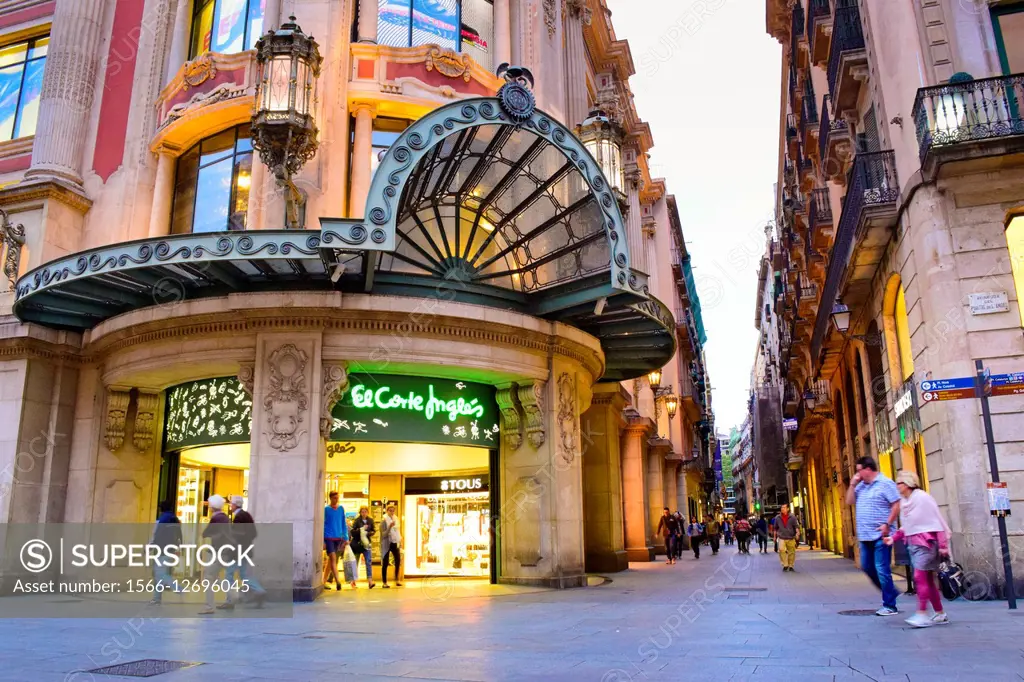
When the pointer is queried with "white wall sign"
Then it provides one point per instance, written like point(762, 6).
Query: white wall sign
point(989, 302)
point(904, 403)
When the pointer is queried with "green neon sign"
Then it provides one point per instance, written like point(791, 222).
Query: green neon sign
point(405, 409)
point(383, 398)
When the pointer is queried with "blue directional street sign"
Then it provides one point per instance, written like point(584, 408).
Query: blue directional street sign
point(1008, 384)
point(947, 389)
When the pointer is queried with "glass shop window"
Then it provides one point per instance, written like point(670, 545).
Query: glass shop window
point(459, 25)
point(211, 190)
point(225, 26)
point(21, 82)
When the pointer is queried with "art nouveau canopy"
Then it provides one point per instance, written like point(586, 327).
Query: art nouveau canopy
point(484, 201)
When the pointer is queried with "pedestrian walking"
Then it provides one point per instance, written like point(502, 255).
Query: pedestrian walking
point(244, 535)
point(761, 528)
point(923, 527)
point(668, 528)
point(695, 531)
point(743, 535)
point(877, 503)
point(360, 538)
point(218, 532)
point(786, 528)
point(680, 533)
point(166, 534)
point(713, 529)
point(390, 546)
point(335, 539)
point(727, 531)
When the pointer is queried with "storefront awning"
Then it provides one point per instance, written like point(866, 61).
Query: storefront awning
point(484, 201)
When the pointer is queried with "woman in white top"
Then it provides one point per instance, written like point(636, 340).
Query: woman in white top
point(390, 542)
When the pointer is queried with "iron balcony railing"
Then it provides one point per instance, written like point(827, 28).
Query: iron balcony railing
point(792, 84)
point(797, 31)
point(872, 181)
point(790, 126)
point(827, 128)
point(967, 111)
point(847, 36)
point(821, 208)
point(817, 10)
point(810, 114)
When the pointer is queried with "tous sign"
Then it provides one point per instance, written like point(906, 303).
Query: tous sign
point(382, 398)
point(451, 484)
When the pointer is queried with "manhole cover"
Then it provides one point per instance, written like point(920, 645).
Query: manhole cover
point(147, 667)
point(746, 589)
point(857, 612)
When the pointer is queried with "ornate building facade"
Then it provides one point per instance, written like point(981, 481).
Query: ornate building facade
point(447, 273)
point(899, 185)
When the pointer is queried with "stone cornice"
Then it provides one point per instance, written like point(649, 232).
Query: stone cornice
point(41, 191)
point(373, 322)
point(635, 424)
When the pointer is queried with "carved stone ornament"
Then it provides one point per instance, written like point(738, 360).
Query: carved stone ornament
point(449, 63)
point(247, 376)
point(199, 70)
point(222, 92)
point(335, 386)
point(286, 401)
point(511, 416)
point(12, 238)
point(550, 17)
point(117, 412)
point(568, 426)
point(531, 397)
point(578, 8)
point(145, 420)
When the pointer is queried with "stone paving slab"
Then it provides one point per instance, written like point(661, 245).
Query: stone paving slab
point(654, 622)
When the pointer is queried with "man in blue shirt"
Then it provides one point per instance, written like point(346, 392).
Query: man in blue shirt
point(878, 506)
point(335, 539)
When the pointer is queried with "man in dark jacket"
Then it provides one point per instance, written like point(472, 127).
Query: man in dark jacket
point(243, 529)
point(361, 539)
point(218, 532)
point(668, 528)
point(167, 535)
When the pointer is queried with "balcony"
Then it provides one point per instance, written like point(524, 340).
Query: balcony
point(797, 56)
point(677, 265)
point(806, 170)
point(869, 212)
point(819, 30)
point(964, 121)
point(847, 58)
point(834, 143)
point(809, 125)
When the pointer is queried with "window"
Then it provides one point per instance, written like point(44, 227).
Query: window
point(460, 25)
point(21, 81)
point(211, 190)
point(1008, 24)
point(225, 25)
point(1015, 243)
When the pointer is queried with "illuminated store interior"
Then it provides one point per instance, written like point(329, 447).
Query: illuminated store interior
point(442, 491)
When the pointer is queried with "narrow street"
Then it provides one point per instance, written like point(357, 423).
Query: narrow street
point(723, 617)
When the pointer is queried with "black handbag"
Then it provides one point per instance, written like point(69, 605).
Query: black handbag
point(951, 579)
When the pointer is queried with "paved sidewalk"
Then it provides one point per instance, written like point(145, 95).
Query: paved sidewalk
point(724, 617)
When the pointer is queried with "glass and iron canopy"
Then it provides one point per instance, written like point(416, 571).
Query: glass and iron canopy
point(485, 201)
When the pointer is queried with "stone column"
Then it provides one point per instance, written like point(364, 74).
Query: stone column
point(577, 15)
point(271, 15)
point(367, 28)
point(362, 149)
point(602, 480)
point(163, 194)
point(634, 221)
point(180, 34)
point(261, 184)
point(69, 84)
point(670, 468)
point(634, 488)
point(287, 453)
point(655, 494)
point(502, 33)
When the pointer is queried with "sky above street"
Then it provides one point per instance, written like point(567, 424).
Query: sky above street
point(707, 81)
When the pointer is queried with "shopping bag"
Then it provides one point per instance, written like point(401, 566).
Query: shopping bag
point(348, 564)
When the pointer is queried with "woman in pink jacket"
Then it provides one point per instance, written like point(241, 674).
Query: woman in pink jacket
point(924, 529)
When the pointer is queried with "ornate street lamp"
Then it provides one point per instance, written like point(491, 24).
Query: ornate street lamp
point(284, 130)
point(671, 406)
point(841, 319)
point(654, 379)
point(603, 139)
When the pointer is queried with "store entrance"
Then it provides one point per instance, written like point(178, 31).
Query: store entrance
point(442, 498)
